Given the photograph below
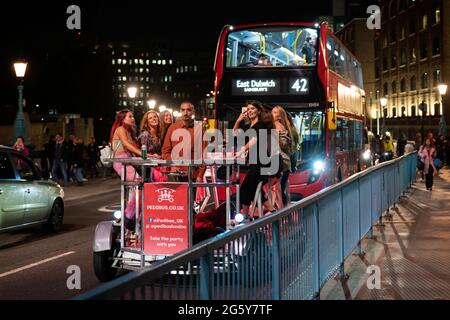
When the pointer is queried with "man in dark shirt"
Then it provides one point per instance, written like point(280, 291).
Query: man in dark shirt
point(60, 159)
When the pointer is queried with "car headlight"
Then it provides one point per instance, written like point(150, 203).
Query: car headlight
point(366, 155)
point(239, 218)
point(118, 214)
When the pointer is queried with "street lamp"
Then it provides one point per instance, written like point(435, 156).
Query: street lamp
point(132, 92)
point(19, 125)
point(383, 103)
point(151, 104)
point(442, 91)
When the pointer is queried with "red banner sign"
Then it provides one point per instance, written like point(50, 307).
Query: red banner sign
point(165, 218)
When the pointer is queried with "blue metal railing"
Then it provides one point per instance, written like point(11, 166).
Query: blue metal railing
point(286, 255)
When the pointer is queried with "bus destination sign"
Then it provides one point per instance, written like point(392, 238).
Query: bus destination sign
point(256, 86)
point(243, 87)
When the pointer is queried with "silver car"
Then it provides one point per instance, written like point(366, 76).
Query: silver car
point(26, 199)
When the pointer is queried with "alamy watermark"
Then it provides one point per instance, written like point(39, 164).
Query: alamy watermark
point(374, 280)
point(374, 21)
point(74, 20)
point(74, 280)
point(260, 147)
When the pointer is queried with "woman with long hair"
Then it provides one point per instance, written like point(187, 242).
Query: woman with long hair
point(150, 133)
point(295, 140)
point(258, 120)
point(125, 145)
point(166, 120)
point(281, 123)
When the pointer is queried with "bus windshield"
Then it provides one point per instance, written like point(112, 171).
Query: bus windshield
point(311, 129)
point(272, 46)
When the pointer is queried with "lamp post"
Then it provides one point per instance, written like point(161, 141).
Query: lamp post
point(19, 124)
point(442, 91)
point(442, 125)
point(423, 108)
point(383, 103)
point(132, 92)
point(151, 104)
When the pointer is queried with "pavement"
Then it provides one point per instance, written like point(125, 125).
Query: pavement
point(411, 251)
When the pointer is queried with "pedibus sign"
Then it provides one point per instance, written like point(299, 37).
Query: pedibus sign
point(165, 218)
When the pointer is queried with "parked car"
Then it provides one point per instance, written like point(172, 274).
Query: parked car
point(26, 199)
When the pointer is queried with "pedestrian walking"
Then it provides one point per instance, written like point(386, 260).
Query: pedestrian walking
point(428, 152)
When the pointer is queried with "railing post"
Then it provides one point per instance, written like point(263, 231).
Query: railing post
point(358, 247)
point(316, 251)
point(205, 277)
point(276, 260)
point(342, 257)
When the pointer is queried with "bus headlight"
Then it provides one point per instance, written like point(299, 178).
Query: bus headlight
point(366, 155)
point(318, 167)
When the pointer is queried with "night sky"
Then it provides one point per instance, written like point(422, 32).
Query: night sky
point(38, 32)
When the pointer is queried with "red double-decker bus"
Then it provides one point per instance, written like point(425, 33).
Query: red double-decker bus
point(305, 69)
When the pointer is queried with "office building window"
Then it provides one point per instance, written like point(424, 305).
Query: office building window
point(403, 85)
point(393, 9)
point(413, 56)
point(424, 22)
point(394, 87)
point(436, 46)
point(423, 49)
point(424, 82)
point(385, 89)
point(385, 63)
point(436, 77)
point(413, 84)
point(124, 54)
point(393, 60)
point(394, 112)
point(403, 56)
point(412, 26)
point(403, 112)
point(393, 34)
point(403, 32)
point(113, 61)
point(413, 111)
point(437, 16)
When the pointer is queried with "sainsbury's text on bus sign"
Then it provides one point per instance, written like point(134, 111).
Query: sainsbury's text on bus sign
point(247, 87)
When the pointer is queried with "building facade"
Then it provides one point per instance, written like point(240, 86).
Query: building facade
point(411, 59)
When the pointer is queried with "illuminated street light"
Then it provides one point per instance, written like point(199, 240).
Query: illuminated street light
point(383, 103)
point(151, 104)
point(132, 92)
point(442, 89)
point(19, 125)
